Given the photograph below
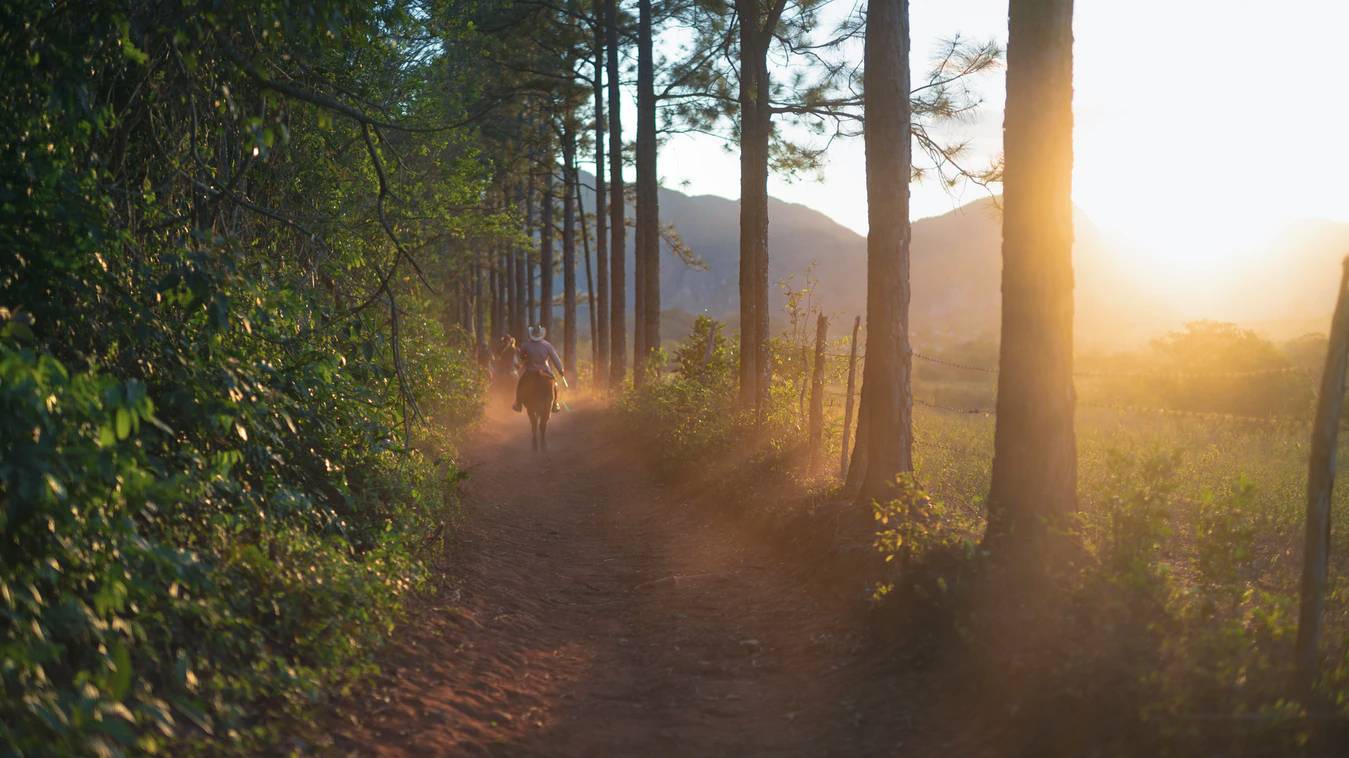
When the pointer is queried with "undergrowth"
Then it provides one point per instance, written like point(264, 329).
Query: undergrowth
point(216, 494)
point(1169, 624)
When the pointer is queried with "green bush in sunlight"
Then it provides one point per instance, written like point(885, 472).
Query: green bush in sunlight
point(1185, 582)
point(691, 411)
point(1209, 367)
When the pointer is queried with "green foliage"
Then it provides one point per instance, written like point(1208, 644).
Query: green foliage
point(1210, 367)
point(911, 528)
point(1127, 531)
point(691, 412)
point(1185, 588)
point(213, 354)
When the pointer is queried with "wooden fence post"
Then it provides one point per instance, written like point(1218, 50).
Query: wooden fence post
point(1320, 482)
point(816, 433)
point(848, 404)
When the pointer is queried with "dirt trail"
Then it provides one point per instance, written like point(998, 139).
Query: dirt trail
point(589, 613)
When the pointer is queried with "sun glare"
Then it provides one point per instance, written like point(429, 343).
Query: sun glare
point(1175, 160)
point(1190, 159)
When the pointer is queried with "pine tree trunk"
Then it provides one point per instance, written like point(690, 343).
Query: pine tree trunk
point(546, 249)
point(590, 279)
point(526, 265)
point(755, 130)
point(1034, 457)
point(494, 286)
point(519, 312)
point(617, 241)
point(599, 332)
point(479, 302)
point(889, 165)
point(646, 315)
point(464, 303)
point(569, 252)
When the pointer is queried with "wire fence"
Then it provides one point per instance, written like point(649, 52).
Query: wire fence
point(1120, 408)
point(1185, 375)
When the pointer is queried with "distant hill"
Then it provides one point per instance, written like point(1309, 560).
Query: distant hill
point(956, 269)
point(956, 274)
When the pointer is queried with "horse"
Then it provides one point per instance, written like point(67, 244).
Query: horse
point(537, 394)
point(503, 382)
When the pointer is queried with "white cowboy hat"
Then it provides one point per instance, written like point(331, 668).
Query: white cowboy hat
point(536, 333)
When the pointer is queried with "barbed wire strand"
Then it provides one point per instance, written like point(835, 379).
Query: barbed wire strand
point(993, 371)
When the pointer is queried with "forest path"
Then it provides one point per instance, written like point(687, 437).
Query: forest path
point(588, 612)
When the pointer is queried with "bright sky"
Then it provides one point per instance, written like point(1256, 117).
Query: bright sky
point(1201, 125)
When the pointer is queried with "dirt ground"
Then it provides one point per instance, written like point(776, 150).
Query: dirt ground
point(588, 610)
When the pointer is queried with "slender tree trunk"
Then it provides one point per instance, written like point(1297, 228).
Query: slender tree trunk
point(516, 257)
point(889, 166)
point(526, 262)
point(479, 302)
point(755, 131)
point(816, 426)
point(569, 251)
point(507, 283)
point(638, 301)
point(494, 284)
point(618, 242)
point(1034, 449)
point(759, 21)
point(504, 292)
point(599, 330)
point(590, 279)
point(464, 302)
point(546, 266)
point(535, 311)
point(647, 315)
point(1320, 484)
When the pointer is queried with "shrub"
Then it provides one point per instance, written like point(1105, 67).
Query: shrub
point(692, 411)
point(213, 495)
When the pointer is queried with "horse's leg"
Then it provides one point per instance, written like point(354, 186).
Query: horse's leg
point(534, 430)
point(543, 431)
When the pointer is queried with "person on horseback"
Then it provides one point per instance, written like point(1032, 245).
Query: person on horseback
point(536, 355)
point(507, 356)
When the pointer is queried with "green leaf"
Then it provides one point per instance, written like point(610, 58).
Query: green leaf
point(219, 312)
point(123, 424)
point(119, 684)
point(135, 392)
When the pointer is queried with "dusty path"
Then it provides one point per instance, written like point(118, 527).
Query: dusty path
point(591, 614)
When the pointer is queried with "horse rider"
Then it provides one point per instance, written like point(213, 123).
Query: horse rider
point(486, 361)
point(506, 357)
point(535, 357)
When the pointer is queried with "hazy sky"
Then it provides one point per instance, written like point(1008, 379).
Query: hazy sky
point(1201, 125)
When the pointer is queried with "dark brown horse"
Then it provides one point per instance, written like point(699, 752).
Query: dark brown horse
point(536, 391)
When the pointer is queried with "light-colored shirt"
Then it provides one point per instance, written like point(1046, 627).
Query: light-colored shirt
point(537, 355)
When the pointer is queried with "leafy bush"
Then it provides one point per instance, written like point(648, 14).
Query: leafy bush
point(692, 411)
point(214, 492)
point(1209, 367)
point(1179, 604)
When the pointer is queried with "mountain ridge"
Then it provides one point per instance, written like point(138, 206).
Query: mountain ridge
point(956, 273)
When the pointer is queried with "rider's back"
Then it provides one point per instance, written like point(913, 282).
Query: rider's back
point(536, 355)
